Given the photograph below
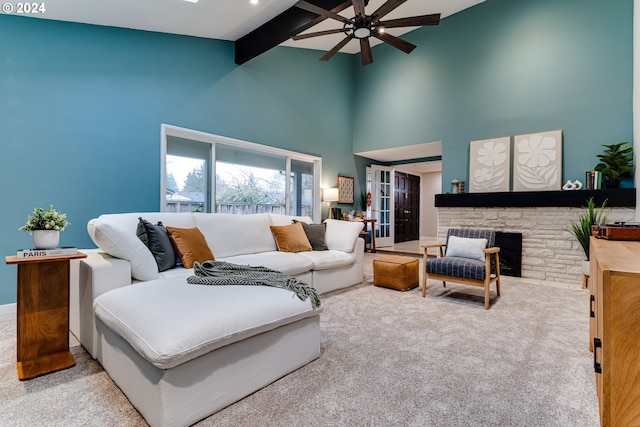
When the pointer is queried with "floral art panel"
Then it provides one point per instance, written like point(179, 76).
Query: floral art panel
point(537, 161)
point(489, 165)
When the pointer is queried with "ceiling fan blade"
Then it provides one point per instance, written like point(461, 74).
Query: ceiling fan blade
point(319, 33)
point(384, 10)
point(365, 51)
point(394, 41)
point(413, 21)
point(358, 7)
point(322, 12)
point(336, 48)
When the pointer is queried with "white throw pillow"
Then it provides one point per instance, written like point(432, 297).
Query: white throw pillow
point(119, 242)
point(342, 235)
point(462, 247)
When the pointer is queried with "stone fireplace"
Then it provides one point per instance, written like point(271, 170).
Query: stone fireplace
point(510, 245)
point(549, 250)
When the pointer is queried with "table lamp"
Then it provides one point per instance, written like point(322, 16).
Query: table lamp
point(330, 195)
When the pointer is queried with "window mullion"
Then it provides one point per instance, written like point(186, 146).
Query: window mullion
point(287, 185)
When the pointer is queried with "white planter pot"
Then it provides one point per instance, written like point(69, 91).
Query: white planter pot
point(46, 239)
point(585, 267)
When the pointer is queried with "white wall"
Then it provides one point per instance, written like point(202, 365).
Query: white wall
point(430, 185)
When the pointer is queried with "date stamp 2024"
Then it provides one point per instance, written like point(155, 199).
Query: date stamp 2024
point(24, 8)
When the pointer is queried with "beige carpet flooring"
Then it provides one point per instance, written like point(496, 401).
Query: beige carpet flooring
point(388, 359)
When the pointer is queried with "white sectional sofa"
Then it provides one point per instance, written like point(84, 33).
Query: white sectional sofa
point(181, 352)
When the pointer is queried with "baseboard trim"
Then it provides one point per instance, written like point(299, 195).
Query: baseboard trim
point(8, 308)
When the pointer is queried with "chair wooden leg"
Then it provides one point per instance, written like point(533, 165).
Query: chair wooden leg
point(487, 293)
point(498, 273)
point(425, 257)
point(444, 284)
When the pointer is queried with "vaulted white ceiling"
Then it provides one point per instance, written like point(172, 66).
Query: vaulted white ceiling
point(225, 19)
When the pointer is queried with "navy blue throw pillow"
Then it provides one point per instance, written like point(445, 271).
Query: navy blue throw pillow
point(155, 238)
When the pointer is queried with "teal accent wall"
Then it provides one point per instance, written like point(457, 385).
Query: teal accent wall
point(81, 108)
point(81, 105)
point(504, 68)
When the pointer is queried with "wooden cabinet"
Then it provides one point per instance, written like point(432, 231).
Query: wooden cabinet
point(615, 329)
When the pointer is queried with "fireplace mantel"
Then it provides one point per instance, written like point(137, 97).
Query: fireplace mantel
point(549, 250)
point(618, 197)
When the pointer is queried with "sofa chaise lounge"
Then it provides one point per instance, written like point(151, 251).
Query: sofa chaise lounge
point(181, 352)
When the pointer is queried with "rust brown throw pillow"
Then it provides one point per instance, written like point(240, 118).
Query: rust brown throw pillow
point(190, 245)
point(291, 238)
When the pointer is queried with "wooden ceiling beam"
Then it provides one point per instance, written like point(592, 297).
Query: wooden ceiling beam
point(281, 28)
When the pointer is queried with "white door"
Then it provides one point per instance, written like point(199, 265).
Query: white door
point(382, 204)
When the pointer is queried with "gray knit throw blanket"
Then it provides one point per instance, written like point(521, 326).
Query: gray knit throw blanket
point(224, 273)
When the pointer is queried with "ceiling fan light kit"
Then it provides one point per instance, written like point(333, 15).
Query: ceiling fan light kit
point(363, 26)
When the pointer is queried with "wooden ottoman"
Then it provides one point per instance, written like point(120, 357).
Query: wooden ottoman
point(396, 272)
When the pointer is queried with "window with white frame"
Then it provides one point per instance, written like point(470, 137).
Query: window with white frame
point(203, 172)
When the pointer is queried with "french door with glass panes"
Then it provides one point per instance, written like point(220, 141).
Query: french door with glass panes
point(382, 204)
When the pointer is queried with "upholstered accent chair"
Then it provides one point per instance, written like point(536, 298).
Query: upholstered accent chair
point(468, 257)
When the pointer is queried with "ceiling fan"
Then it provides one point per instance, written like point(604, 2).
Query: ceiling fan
point(363, 26)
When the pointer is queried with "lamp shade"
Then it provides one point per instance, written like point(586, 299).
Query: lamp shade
point(330, 195)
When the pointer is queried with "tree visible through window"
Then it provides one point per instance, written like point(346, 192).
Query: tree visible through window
point(249, 178)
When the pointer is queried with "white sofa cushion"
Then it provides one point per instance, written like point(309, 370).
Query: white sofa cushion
point(180, 322)
point(342, 235)
point(114, 239)
point(228, 234)
point(115, 234)
point(285, 262)
point(129, 220)
point(324, 260)
point(288, 219)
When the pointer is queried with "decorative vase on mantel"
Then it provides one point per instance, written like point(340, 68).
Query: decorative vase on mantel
point(46, 239)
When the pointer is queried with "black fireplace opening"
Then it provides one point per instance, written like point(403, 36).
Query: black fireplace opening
point(510, 245)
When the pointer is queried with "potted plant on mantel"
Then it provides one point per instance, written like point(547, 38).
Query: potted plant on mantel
point(45, 225)
point(582, 228)
point(616, 163)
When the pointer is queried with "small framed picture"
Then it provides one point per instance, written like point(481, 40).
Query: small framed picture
point(345, 189)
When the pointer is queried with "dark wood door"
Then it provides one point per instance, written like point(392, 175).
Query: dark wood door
point(407, 207)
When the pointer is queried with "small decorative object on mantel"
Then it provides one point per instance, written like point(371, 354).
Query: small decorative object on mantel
point(45, 225)
point(455, 186)
point(593, 180)
point(575, 185)
point(537, 161)
point(616, 163)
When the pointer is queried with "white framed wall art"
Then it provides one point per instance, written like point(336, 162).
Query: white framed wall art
point(537, 161)
point(489, 165)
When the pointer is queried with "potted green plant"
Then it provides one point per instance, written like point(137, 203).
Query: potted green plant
point(616, 163)
point(581, 229)
point(363, 205)
point(45, 225)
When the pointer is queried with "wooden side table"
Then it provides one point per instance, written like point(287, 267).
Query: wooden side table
point(43, 315)
point(373, 232)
